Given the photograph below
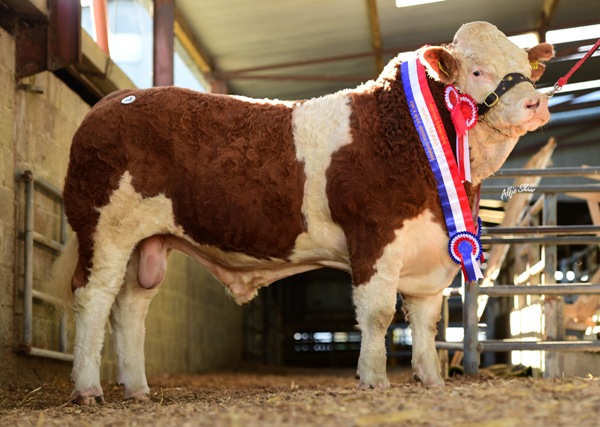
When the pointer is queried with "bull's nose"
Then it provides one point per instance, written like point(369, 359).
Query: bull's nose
point(532, 104)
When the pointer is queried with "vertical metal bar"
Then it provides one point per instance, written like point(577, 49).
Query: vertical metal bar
point(219, 86)
point(471, 327)
point(553, 306)
point(441, 336)
point(549, 251)
point(28, 260)
point(62, 337)
point(164, 43)
point(63, 224)
point(64, 33)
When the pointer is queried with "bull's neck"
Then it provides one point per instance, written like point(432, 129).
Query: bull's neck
point(489, 149)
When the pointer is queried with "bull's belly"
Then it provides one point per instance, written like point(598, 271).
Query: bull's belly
point(243, 275)
point(419, 255)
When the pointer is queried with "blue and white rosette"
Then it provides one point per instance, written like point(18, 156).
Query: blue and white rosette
point(465, 249)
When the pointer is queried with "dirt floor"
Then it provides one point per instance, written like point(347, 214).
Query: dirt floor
point(315, 398)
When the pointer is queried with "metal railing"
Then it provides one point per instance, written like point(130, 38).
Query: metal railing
point(31, 238)
point(548, 235)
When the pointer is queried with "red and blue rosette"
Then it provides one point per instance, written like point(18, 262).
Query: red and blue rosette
point(464, 248)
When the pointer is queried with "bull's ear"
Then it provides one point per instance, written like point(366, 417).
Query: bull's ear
point(440, 63)
point(537, 56)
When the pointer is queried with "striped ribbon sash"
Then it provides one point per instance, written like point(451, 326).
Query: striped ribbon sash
point(464, 245)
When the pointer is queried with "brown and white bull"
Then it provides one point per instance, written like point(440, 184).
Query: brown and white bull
point(258, 190)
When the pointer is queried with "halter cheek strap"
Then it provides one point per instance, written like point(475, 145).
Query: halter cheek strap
point(507, 82)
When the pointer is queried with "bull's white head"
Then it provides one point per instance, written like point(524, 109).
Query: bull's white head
point(476, 62)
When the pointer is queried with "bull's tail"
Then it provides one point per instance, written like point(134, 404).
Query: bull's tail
point(62, 273)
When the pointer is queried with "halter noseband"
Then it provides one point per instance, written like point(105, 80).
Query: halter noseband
point(507, 82)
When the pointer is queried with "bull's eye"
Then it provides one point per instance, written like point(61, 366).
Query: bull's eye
point(476, 73)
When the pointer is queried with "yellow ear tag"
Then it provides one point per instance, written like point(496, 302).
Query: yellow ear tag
point(441, 67)
point(534, 65)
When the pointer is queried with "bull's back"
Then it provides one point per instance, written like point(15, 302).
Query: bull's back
point(228, 165)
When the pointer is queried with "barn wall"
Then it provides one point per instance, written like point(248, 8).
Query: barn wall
point(192, 324)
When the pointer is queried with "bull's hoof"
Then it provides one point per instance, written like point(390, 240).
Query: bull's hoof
point(429, 382)
point(376, 382)
point(82, 400)
point(140, 396)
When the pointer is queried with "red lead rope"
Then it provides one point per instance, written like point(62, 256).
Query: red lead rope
point(563, 80)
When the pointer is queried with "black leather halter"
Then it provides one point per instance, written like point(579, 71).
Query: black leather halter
point(507, 82)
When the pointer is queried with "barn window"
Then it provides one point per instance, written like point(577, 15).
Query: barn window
point(130, 38)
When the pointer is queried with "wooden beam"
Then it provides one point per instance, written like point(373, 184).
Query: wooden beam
point(295, 77)
point(375, 34)
point(548, 9)
point(191, 44)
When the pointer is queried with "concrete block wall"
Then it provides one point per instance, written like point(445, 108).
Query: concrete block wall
point(7, 185)
point(192, 324)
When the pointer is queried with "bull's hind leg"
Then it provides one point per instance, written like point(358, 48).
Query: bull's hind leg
point(144, 274)
point(375, 304)
point(423, 315)
point(92, 304)
point(122, 223)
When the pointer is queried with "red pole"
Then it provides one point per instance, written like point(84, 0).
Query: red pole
point(101, 24)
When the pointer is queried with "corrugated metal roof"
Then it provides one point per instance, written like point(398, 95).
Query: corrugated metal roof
point(240, 35)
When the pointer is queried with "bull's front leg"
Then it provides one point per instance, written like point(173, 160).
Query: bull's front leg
point(375, 303)
point(423, 314)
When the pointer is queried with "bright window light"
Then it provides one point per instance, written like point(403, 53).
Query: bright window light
point(525, 40)
point(323, 337)
point(571, 87)
point(527, 320)
point(407, 3)
point(573, 34)
point(455, 334)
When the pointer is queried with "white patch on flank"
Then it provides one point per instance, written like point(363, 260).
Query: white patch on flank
point(320, 126)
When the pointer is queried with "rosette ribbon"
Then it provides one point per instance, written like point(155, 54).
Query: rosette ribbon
point(463, 111)
point(464, 245)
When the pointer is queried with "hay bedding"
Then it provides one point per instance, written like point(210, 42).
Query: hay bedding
point(315, 398)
